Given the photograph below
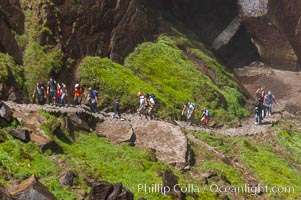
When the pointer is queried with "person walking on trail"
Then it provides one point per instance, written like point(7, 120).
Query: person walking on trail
point(40, 90)
point(64, 93)
point(116, 109)
point(78, 92)
point(260, 93)
point(269, 99)
point(258, 113)
point(150, 101)
point(52, 91)
point(189, 107)
point(205, 116)
point(141, 107)
point(93, 99)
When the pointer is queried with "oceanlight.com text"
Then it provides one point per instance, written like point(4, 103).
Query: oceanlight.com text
point(254, 190)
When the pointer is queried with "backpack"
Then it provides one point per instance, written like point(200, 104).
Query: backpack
point(40, 90)
point(257, 108)
point(207, 113)
point(95, 93)
point(193, 105)
point(153, 97)
point(269, 99)
point(52, 86)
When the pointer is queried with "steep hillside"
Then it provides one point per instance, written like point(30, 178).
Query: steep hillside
point(181, 51)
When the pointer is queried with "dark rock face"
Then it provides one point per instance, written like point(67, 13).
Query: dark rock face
point(5, 112)
point(22, 134)
point(101, 190)
point(67, 178)
point(32, 189)
point(11, 19)
point(171, 181)
point(106, 191)
point(213, 20)
point(274, 29)
point(107, 28)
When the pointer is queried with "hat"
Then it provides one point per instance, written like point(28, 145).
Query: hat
point(76, 85)
point(139, 94)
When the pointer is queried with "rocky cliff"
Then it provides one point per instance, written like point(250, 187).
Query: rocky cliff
point(97, 28)
point(11, 23)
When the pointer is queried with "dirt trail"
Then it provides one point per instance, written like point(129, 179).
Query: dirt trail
point(285, 85)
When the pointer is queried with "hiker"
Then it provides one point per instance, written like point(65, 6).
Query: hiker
point(40, 89)
point(141, 107)
point(58, 92)
point(190, 109)
point(64, 93)
point(116, 109)
point(258, 113)
point(52, 91)
point(205, 116)
point(150, 101)
point(78, 93)
point(260, 93)
point(269, 99)
point(93, 99)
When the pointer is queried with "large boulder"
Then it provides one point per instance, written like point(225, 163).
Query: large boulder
point(116, 131)
point(166, 139)
point(31, 188)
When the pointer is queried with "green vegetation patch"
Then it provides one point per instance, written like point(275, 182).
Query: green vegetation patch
point(164, 69)
point(9, 69)
point(268, 164)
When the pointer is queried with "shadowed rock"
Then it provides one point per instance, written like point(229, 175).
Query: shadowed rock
point(126, 195)
point(45, 143)
point(22, 134)
point(4, 195)
point(171, 181)
point(5, 112)
point(67, 178)
point(100, 190)
point(116, 191)
point(32, 189)
point(76, 123)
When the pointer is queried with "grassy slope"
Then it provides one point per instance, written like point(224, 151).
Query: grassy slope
point(164, 69)
point(91, 158)
point(273, 163)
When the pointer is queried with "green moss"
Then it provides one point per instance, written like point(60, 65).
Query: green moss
point(22, 160)
point(9, 70)
point(268, 164)
point(163, 69)
point(40, 62)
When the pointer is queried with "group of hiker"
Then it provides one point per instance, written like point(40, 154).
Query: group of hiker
point(190, 107)
point(147, 104)
point(55, 93)
point(264, 104)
